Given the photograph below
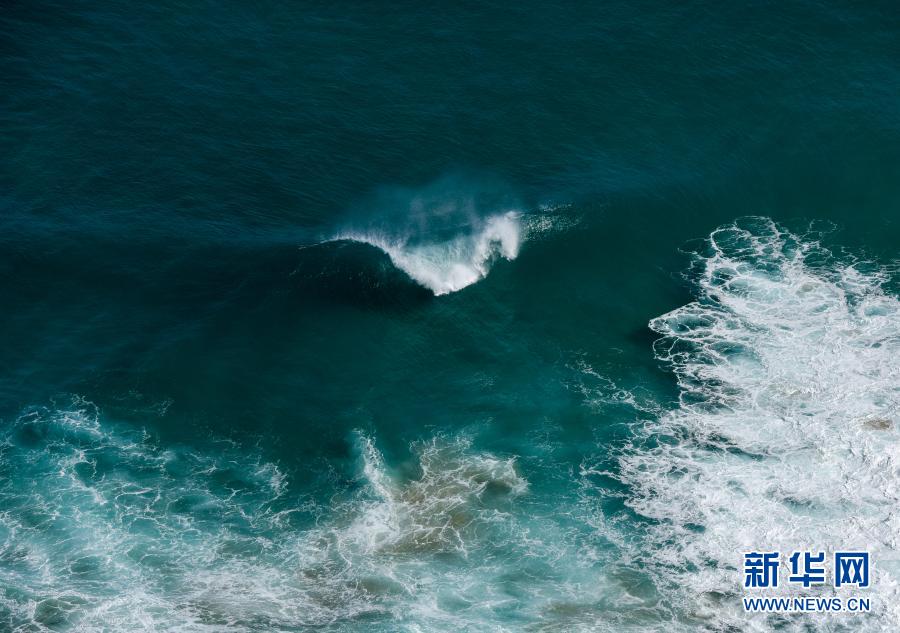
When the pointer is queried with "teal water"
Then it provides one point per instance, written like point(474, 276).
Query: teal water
point(346, 316)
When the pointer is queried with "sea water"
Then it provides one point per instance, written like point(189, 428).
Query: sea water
point(331, 317)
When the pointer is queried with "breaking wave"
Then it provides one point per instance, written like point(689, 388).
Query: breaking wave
point(786, 432)
point(445, 265)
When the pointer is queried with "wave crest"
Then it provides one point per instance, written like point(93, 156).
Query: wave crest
point(447, 265)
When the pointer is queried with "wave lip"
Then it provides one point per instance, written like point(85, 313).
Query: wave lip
point(448, 265)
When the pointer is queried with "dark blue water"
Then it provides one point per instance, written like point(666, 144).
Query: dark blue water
point(334, 316)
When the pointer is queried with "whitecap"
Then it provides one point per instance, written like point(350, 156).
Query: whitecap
point(445, 265)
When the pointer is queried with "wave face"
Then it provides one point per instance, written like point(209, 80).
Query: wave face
point(786, 432)
point(445, 266)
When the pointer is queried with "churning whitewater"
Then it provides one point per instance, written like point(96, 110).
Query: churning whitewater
point(785, 436)
point(105, 530)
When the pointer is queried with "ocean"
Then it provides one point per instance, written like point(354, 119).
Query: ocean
point(425, 317)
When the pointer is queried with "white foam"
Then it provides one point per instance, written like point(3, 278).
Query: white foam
point(435, 511)
point(103, 530)
point(783, 362)
point(407, 546)
point(447, 265)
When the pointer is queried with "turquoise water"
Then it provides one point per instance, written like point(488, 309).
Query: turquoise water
point(348, 317)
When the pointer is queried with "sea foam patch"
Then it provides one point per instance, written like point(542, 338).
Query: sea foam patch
point(785, 436)
point(103, 529)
